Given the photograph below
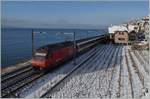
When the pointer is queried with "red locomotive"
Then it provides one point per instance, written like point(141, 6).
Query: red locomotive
point(51, 55)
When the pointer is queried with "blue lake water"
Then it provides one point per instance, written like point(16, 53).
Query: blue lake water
point(16, 43)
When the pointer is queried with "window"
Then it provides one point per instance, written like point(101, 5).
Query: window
point(121, 33)
point(40, 56)
point(121, 39)
point(135, 28)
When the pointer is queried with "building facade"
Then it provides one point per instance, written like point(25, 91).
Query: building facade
point(112, 30)
point(133, 36)
point(121, 37)
point(146, 30)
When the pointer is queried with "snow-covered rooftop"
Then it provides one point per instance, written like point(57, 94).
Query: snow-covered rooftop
point(114, 28)
point(130, 28)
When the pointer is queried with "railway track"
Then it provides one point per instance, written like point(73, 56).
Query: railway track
point(144, 54)
point(114, 61)
point(103, 65)
point(119, 88)
point(137, 69)
point(142, 60)
point(98, 65)
point(93, 54)
point(5, 75)
point(141, 71)
point(15, 80)
point(130, 75)
point(14, 73)
point(11, 89)
point(11, 79)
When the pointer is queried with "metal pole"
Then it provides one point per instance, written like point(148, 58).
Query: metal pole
point(87, 34)
point(74, 49)
point(32, 43)
point(63, 37)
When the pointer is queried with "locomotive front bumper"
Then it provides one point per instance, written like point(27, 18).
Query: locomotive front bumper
point(39, 64)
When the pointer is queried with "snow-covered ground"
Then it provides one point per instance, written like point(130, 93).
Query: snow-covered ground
point(115, 71)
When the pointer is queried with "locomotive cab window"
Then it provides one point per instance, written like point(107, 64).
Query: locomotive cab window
point(40, 56)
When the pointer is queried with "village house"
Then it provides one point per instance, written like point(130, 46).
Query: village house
point(121, 37)
point(133, 31)
point(118, 34)
point(146, 27)
point(133, 36)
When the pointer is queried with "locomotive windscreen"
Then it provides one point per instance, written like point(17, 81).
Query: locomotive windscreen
point(40, 56)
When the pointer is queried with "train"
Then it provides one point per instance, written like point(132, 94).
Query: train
point(51, 55)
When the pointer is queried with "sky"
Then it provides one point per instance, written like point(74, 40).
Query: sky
point(70, 14)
